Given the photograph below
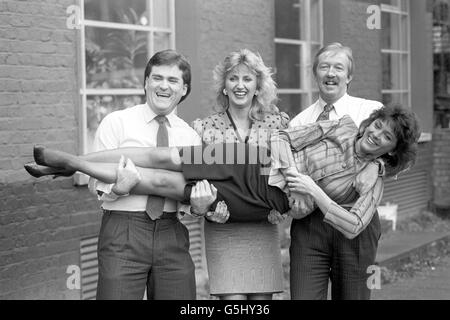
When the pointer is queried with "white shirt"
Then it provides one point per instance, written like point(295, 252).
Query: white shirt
point(136, 127)
point(357, 108)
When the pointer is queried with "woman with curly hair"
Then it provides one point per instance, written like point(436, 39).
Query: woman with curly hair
point(244, 260)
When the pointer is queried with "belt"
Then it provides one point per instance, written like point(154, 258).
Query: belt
point(168, 215)
point(164, 215)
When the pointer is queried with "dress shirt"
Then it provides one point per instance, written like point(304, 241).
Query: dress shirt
point(325, 151)
point(137, 127)
point(357, 108)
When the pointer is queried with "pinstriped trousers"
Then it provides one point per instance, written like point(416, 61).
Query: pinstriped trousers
point(320, 253)
point(135, 253)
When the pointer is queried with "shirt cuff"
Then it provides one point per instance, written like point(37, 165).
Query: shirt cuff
point(381, 167)
point(103, 190)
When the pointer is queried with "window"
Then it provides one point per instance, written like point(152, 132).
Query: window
point(441, 62)
point(117, 38)
point(298, 36)
point(395, 52)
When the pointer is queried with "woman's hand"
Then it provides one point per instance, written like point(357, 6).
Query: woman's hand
point(300, 183)
point(220, 215)
point(275, 217)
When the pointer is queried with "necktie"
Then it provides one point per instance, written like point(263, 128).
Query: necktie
point(325, 114)
point(155, 204)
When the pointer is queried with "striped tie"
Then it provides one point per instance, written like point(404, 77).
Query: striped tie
point(325, 114)
point(155, 204)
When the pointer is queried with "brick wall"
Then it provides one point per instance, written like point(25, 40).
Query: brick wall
point(226, 26)
point(41, 221)
point(441, 167)
point(365, 44)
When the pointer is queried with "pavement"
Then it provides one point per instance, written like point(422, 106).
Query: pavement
point(401, 248)
point(429, 284)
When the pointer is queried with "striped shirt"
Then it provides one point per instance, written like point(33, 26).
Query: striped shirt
point(325, 151)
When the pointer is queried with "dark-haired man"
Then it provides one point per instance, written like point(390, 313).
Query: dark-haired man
point(142, 244)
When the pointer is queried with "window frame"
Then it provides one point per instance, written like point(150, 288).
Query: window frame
point(84, 92)
point(402, 9)
point(305, 59)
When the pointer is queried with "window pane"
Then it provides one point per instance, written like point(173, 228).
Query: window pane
point(390, 31)
point(309, 69)
point(404, 74)
point(315, 21)
point(395, 71)
point(394, 3)
point(287, 19)
point(405, 100)
point(130, 11)
point(115, 58)
point(161, 13)
point(404, 39)
point(288, 65)
point(99, 106)
point(161, 41)
point(391, 98)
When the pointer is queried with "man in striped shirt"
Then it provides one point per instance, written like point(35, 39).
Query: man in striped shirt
point(319, 251)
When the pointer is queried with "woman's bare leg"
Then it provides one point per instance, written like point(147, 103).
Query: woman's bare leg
point(158, 182)
point(146, 157)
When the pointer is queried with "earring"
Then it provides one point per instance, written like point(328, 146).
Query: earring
point(256, 92)
point(225, 91)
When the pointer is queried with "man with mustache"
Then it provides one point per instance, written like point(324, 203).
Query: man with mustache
point(318, 251)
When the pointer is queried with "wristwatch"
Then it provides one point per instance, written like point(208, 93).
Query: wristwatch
point(195, 214)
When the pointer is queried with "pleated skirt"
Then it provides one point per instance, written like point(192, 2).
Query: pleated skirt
point(243, 258)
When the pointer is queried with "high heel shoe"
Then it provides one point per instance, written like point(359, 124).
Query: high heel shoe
point(38, 171)
point(38, 154)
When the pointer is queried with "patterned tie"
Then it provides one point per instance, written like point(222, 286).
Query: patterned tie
point(325, 114)
point(155, 204)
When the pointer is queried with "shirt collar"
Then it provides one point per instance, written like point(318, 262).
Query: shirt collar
point(150, 115)
point(340, 106)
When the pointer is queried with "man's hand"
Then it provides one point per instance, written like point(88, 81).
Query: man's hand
point(203, 196)
point(301, 205)
point(275, 217)
point(221, 215)
point(300, 183)
point(366, 179)
point(127, 177)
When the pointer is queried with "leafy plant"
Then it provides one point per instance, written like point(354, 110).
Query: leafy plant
point(124, 47)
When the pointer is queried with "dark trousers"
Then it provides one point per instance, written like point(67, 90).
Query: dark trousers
point(320, 253)
point(135, 252)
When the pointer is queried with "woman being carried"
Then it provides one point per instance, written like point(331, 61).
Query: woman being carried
point(390, 133)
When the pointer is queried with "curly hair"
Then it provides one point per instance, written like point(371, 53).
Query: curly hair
point(405, 125)
point(262, 103)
